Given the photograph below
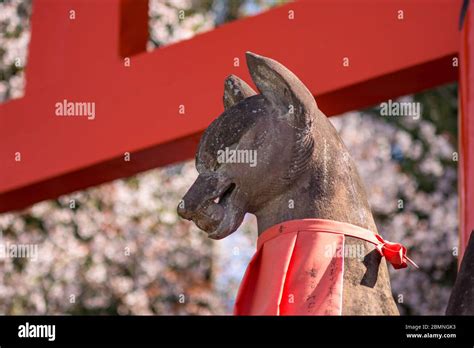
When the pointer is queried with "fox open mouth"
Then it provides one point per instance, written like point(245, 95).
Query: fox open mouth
point(211, 216)
point(225, 195)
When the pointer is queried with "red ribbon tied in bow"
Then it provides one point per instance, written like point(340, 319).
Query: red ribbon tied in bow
point(395, 253)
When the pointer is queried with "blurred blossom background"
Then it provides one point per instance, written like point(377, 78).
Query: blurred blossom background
point(120, 248)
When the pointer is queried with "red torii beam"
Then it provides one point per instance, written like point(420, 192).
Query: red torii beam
point(466, 135)
point(137, 106)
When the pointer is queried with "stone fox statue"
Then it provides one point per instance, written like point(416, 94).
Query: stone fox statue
point(309, 200)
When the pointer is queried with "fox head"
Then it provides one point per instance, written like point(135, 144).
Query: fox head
point(280, 128)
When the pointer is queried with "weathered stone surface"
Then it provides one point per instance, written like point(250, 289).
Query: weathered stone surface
point(461, 301)
point(301, 161)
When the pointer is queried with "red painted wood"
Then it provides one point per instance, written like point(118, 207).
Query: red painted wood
point(137, 107)
point(466, 134)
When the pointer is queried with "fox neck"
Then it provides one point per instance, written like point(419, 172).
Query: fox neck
point(327, 190)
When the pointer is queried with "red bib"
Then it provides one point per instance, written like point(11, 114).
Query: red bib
point(299, 265)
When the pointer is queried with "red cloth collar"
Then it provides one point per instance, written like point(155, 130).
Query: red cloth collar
point(395, 253)
point(298, 268)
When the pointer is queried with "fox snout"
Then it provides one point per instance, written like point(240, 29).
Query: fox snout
point(201, 203)
point(183, 212)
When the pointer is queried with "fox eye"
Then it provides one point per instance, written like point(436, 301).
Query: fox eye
point(216, 166)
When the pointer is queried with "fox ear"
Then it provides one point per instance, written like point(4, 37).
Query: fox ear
point(236, 90)
point(282, 89)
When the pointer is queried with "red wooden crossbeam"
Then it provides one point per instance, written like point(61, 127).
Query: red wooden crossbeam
point(137, 107)
point(466, 133)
